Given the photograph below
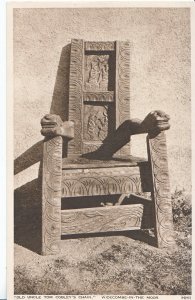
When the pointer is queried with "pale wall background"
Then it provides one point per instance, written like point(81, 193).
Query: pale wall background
point(160, 74)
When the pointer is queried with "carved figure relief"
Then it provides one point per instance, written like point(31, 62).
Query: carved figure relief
point(96, 122)
point(96, 72)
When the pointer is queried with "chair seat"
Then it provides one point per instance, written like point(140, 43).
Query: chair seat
point(116, 161)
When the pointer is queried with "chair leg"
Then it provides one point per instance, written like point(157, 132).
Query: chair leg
point(51, 195)
point(157, 155)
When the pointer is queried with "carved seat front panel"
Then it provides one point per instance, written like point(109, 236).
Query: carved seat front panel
point(103, 181)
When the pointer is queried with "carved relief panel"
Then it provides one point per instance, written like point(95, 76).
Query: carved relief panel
point(98, 96)
point(96, 72)
point(95, 122)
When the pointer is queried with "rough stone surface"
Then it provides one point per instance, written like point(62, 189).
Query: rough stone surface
point(159, 78)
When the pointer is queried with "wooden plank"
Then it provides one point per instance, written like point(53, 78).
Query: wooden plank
point(51, 195)
point(157, 154)
point(101, 219)
point(84, 163)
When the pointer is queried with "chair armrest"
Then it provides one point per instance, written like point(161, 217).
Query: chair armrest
point(154, 123)
point(52, 126)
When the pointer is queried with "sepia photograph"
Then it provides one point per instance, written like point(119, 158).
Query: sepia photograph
point(102, 149)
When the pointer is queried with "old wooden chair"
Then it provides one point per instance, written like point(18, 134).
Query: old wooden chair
point(97, 162)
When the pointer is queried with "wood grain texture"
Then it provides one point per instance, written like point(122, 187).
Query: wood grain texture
point(101, 219)
point(51, 196)
point(122, 87)
point(157, 152)
point(104, 181)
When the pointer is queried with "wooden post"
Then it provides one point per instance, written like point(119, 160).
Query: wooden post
point(51, 195)
point(157, 154)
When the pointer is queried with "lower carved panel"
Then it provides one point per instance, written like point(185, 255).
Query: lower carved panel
point(95, 122)
point(101, 219)
point(85, 182)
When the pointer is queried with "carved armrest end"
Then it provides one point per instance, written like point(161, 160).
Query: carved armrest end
point(155, 122)
point(52, 126)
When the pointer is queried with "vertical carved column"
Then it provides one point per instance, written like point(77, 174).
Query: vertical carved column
point(51, 195)
point(157, 153)
point(76, 95)
point(122, 87)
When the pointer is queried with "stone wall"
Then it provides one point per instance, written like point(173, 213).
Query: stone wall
point(159, 76)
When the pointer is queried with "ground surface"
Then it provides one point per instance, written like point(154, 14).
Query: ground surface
point(111, 265)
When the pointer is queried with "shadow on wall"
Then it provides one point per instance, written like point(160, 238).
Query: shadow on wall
point(59, 105)
point(27, 198)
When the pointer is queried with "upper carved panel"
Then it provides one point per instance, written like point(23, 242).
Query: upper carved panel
point(96, 72)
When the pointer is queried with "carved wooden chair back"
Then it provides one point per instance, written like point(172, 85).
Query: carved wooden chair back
point(99, 96)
